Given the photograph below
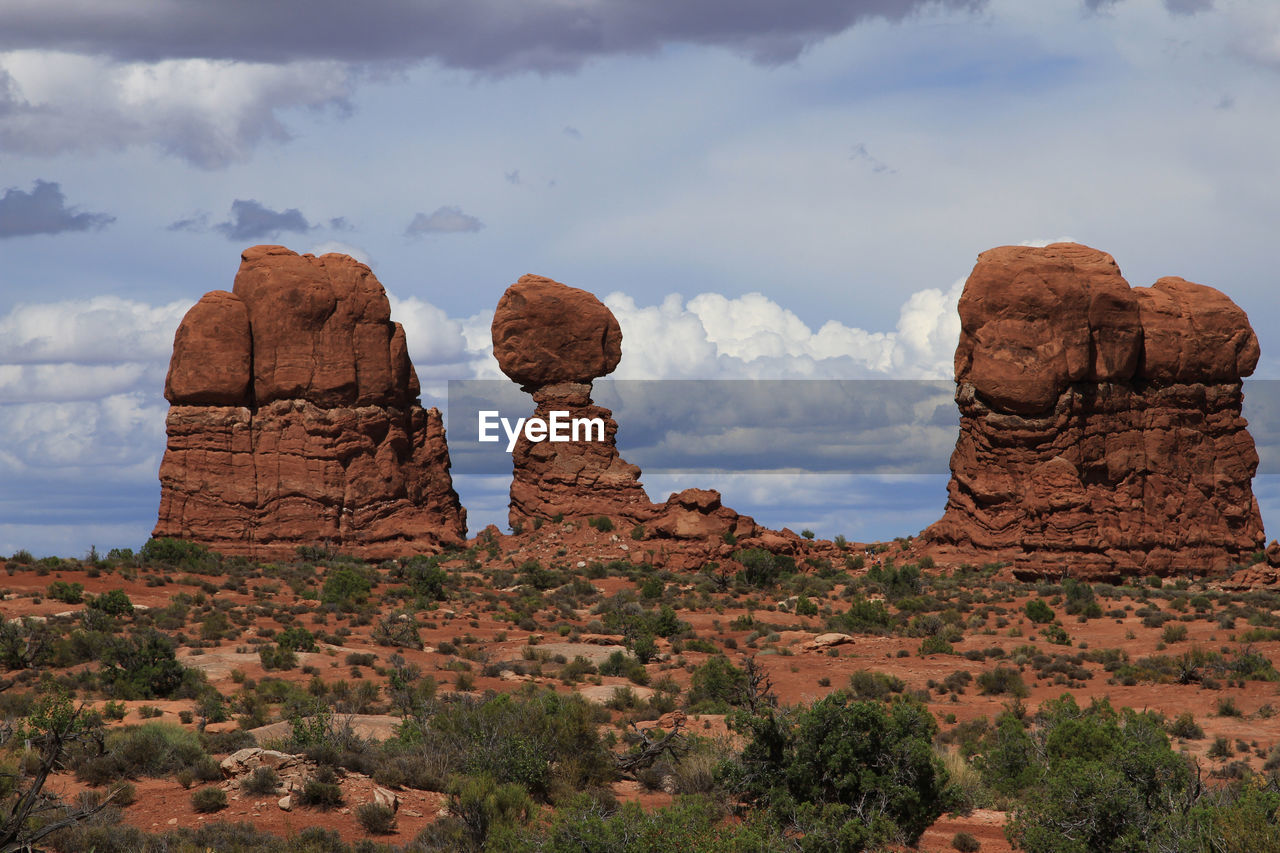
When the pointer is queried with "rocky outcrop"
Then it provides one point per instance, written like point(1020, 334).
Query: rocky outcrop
point(295, 420)
point(1101, 431)
point(554, 340)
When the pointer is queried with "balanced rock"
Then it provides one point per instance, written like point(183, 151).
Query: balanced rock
point(1100, 425)
point(546, 333)
point(295, 420)
point(554, 340)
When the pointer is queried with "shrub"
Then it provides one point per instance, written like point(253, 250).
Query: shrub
point(397, 630)
point(1038, 611)
point(426, 578)
point(297, 638)
point(113, 603)
point(276, 657)
point(855, 771)
point(345, 588)
point(869, 684)
point(542, 741)
point(602, 523)
point(145, 666)
point(1002, 680)
point(863, 617)
point(322, 790)
point(1107, 780)
point(376, 818)
point(896, 583)
point(965, 843)
point(71, 593)
point(1174, 632)
point(621, 664)
point(261, 782)
point(209, 799)
point(936, 645)
point(716, 685)
point(761, 568)
point(1186, 727)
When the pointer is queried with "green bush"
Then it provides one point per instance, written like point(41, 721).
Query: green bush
point(144, 666)
point(586, 823)
point(869, 684)
point(716, 685)
point(602, 523)
point(376, 818)
point(1038, 611)
point(621, 664)
point(426, 578)
point(176, 552)
point(261, 782)
point(345, 588)
point(71, 593)
point(965, 843)
point(209, 799)
point(113, 603)
point(1106, 780)
point(543, 741)
point(863, 617)
point(850, 775)
point(762, 569)
point(895, 583)
point(1186, 727)
point(1002, 680)
point(275, 657)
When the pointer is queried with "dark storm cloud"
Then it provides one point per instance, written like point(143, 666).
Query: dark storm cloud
point(443, 220)
point(1175, 7)
point(250, 220)
point(44, 211)
point(1188, 7)
point(491, 36)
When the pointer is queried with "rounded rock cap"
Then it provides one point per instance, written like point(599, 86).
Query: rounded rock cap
point(545, 332)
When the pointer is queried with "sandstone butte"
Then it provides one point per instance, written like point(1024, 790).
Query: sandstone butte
point(554, 340)
point(294, 419)
point(1100, 424)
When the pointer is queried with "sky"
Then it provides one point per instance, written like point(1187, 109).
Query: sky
point(757, 189)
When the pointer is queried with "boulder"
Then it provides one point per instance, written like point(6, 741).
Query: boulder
point(1101, 433)
point(295, 419)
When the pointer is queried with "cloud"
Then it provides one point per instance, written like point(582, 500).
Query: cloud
point(44, 211)
point(490, 36)
point(100, 330)
point(328, 246)
point(1188, 7)
point(211, 113)
point(251, 220)
point(753, 337)
point(443, 220)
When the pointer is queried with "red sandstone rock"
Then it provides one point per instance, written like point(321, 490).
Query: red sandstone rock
point(1194, 334)
point(325, 443)
point(545, 332)
point(1101, 431)
point(554, 340)
point(1034, 320)
point(212, 354)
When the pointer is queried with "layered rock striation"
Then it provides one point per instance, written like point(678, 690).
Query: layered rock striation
point(294, 419)
point(554, 340)
point(1100, 425)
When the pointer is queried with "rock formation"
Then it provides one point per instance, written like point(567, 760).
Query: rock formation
point(1100, 431)
point(554, 340)
point(295, 420)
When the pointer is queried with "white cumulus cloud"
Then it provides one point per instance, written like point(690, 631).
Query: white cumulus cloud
point(209, 112)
